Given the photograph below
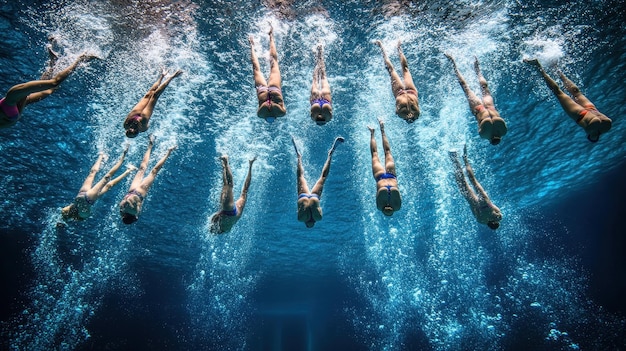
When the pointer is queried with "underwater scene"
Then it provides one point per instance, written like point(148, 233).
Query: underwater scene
point(499, 225)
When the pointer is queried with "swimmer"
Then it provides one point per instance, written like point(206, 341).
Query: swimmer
point(130, 206)
point(580, 109)
point(282, 8)
point(407, 103)
point(309, 210)
point(321, 101)
point(80, 209)
point(490, 125)
point(139, 117)
point(230, 210)
point(388, 198)
point(482, 207)
point(271, 103)
point(20, 95)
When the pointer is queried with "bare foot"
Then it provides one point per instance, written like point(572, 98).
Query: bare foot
point(51, 53)
point(476, 67)
point(337, 139)
point(52, 39)
point(224, 159)
point(533, 62)
point(103, 156)
point(86, 57)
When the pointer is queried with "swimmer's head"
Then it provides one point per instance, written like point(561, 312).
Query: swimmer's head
point(409, 112)
point(310, 223)
point(388, 210)
point(128, 218)
point(270, 119)
point(70, 212)
point(493, 225)
point(495, 140)
point(132, 132)
point(593, 139)
point(215, 224)
point(132, 126)
point(319, 119)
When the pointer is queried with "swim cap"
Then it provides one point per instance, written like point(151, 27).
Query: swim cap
point(270, 119)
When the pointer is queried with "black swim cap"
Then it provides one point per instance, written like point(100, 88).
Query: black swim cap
point(128, 218)
point(493, 225)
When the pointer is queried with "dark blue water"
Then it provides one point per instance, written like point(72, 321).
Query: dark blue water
point(429, 278)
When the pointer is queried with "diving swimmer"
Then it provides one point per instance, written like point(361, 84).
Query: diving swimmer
point(271, 103)
point(580, 109)
point(405, 92)
point(480, 204)
point(21, 95)
point(388, 198)
point(130, 206)
point(490, 125)
point(230, 210)
point(80, 209)
point(321, 100)
point(139, 117)
point(309, 209)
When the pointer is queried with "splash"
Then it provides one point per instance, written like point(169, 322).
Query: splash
point(438, 290)
point(69, 286)
point(548, 51)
